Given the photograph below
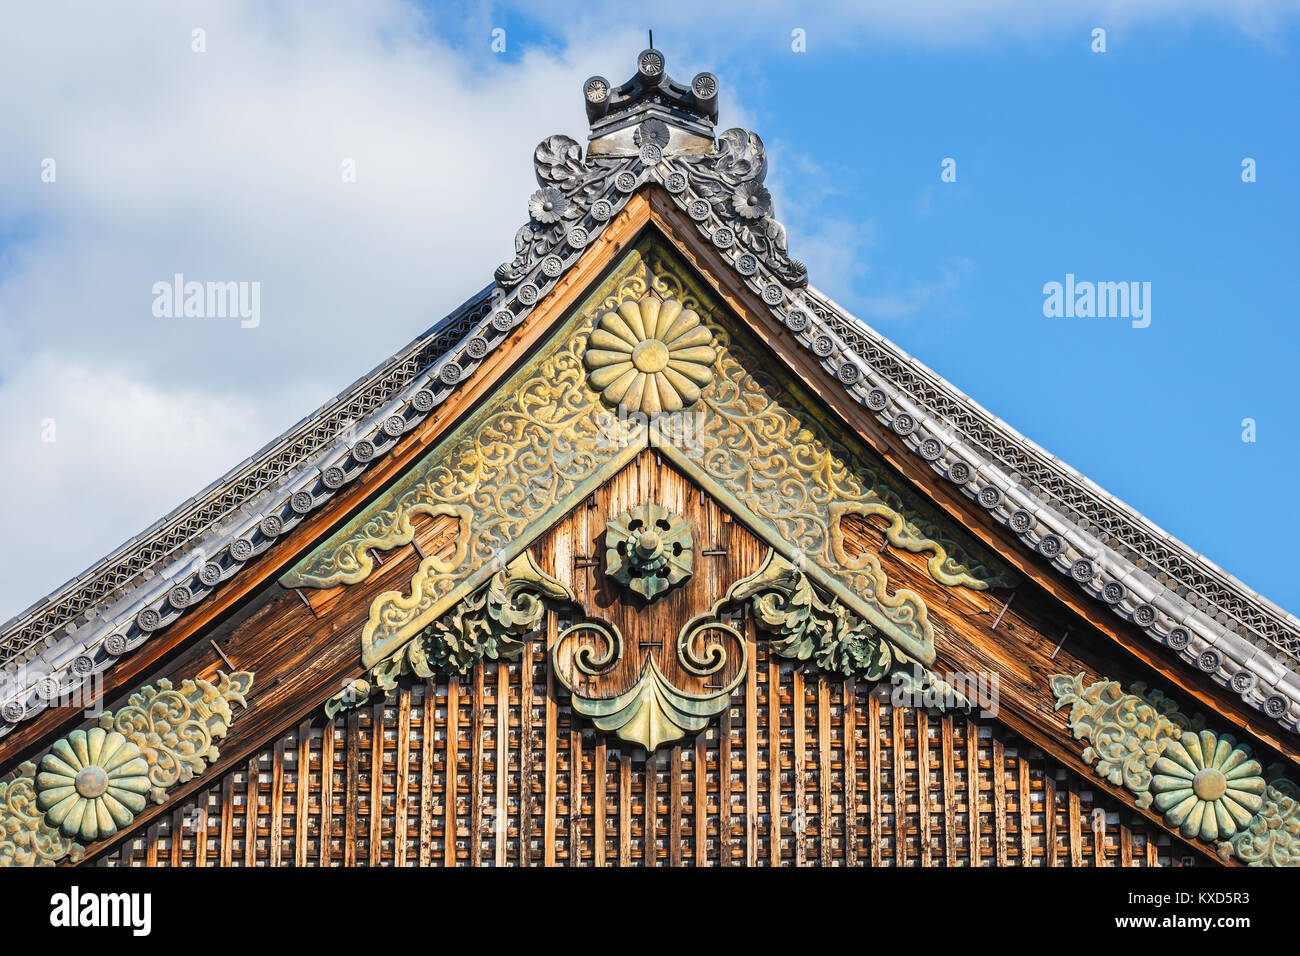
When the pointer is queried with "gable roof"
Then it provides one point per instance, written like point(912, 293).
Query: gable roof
point(1182, 601)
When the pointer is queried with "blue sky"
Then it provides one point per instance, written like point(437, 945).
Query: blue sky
point(1122, 166)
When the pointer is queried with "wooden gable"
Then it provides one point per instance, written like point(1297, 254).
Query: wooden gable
point(650, 587)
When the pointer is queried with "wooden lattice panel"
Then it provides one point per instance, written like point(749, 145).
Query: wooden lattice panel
point(854, 781)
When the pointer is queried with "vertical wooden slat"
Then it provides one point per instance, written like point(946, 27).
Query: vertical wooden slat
point(476, 772)
point(873, 776)
point(526, 665)
point(976, 835)
point(1099, 837)
point(250, 813)
point(277, 802)
point(700, 793)
point(949, 792)
point(451, 788)
point(1049, 815)
point(800, 783)
point(302, 795)
point(923, 783)
point(624, 809)
point(999, 801)
point(227, 820)
point(751, 749)
point(503, 760)
point(774, 759)
point(178, 834)
point(151, 846)
point(900, 786)
point(402, 775)
point(327, 793)
point(675, 807)
point(552, 707)
point(1125, 846)
point(350, 795)
point(200, 830)
point(376, 784)
point(726, 838)
point(651, 805)
point(600, 780)
point(824, 840)
point(428, 737)
point(1076, 823)
point(1026, 808)
point(850, 773)
point(575, 792)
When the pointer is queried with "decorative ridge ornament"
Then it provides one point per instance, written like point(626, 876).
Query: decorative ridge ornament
point(651, 95)
point(648, 549)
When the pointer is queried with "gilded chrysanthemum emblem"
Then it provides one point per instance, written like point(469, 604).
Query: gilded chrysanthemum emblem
point(1207, 786)
point(92, 783)
point(651, 356)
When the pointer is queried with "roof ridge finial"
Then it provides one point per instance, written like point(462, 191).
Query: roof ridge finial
point(651, 94)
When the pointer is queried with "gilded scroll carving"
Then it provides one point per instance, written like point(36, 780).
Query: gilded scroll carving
point(92, 783)
point(494, 622)
point(26, 839)
point(1272, 836)
point(807, 625)
point(804, 623)
point(382, 528)
point(905, 534)
point(1126, 732)
point(1206, 784)
point(755, 440)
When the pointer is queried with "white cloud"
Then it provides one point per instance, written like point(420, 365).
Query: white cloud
point(94, 455)
point(226, 165)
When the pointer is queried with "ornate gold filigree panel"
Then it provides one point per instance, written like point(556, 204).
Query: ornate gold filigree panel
point(92, 783)
point(754, 439)
point(1208, 786)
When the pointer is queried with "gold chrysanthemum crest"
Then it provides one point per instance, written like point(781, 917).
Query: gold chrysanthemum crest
point(1207, 785)
point(650, 356)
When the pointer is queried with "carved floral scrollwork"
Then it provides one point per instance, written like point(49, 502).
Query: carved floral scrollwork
point(806, 625)
point(731, 180)
point(1272, 836)
point(1127, 732)
point(1207, 785)
point(26, 839)
point(176, 728)
point(93, 783)
point(569, 187)
point(494, 623)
